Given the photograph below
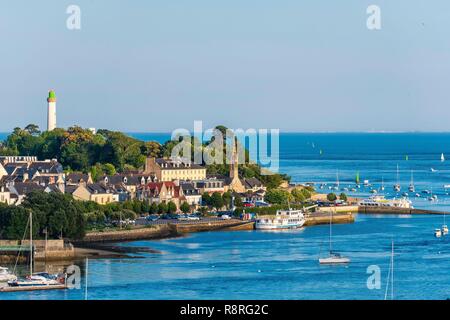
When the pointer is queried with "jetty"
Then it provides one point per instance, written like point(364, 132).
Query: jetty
point(397, 210)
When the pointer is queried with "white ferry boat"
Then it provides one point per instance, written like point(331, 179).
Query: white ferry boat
point(381, 201)
point(284, 219)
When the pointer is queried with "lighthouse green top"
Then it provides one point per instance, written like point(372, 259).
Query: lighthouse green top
point(51, 94)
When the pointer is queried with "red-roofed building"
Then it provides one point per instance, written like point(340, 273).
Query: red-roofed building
point(161, 192)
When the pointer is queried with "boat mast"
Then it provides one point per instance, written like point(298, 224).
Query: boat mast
point(31, 243)
point(331, 222)
point(397, 173)
point(392, 275)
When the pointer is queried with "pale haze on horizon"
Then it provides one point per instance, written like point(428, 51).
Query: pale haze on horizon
point(153, 66)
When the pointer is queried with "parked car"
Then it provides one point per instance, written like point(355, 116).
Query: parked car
point(248, 204)
point(261, 204)
point(225, 217)
point(193, 218)
point(153, 217)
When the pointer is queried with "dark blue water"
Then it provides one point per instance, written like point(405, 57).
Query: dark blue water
point(277, 265)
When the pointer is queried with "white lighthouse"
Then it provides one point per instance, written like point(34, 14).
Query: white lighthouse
point(51, 111)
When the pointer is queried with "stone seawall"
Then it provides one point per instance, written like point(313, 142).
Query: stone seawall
point(233, 224)
point(153, 232)
point(395, 210)
point(322, 218)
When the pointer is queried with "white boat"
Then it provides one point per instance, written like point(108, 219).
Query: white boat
point(36, 279)
point(442, 157)
point(437, 233)
point(411, 185)
point(397, 185)
point(444, 229)
point(284, 219)
point(366, 183)
point(433, 170)
point(333, 258)
point(446, 186)
point(417, 195)
point(381, 201)
point(405, 194)
point(373, 191)
point(6, 275)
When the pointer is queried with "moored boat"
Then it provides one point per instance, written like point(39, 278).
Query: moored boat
point(284, 219)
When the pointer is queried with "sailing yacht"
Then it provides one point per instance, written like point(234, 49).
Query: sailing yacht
point(442, 157)
point(411, 185)
point(333, 257)
point(444, 228)
point(397, 185)
point(35, 279)
point(382, 184)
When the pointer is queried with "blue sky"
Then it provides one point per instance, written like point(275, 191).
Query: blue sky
point(293, 65)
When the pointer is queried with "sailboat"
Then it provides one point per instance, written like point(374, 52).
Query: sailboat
point(35, 279)
point(442, 157)
point(333, 257)
point(444, 227)
point(397, 185)
point(411, 185)
point(357, 178)
point(336, 186)
point(382, 184)
point(390, 277)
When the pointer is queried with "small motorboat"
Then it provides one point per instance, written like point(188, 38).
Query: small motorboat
point(373, 191)
point(433, 170)
point(417, 195)
point(438, 233)
point(405, 194)
point(6, 275)
point(444, 229)
point(426, 191)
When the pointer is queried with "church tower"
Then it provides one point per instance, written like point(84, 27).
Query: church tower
point(235, 183)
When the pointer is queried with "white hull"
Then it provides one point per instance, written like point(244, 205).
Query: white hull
point(334, 260)
point(265, 226)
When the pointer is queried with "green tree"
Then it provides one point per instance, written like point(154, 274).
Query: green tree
point(343, 196)
point(206, 199)
point(171, 207)
point(217, 201)
point(277, 196)
point(185, 208)
point(298, 195)
point(227, 196)
point(153, 208)
point(162, 208)
point(331, 197)
point(238, 201)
